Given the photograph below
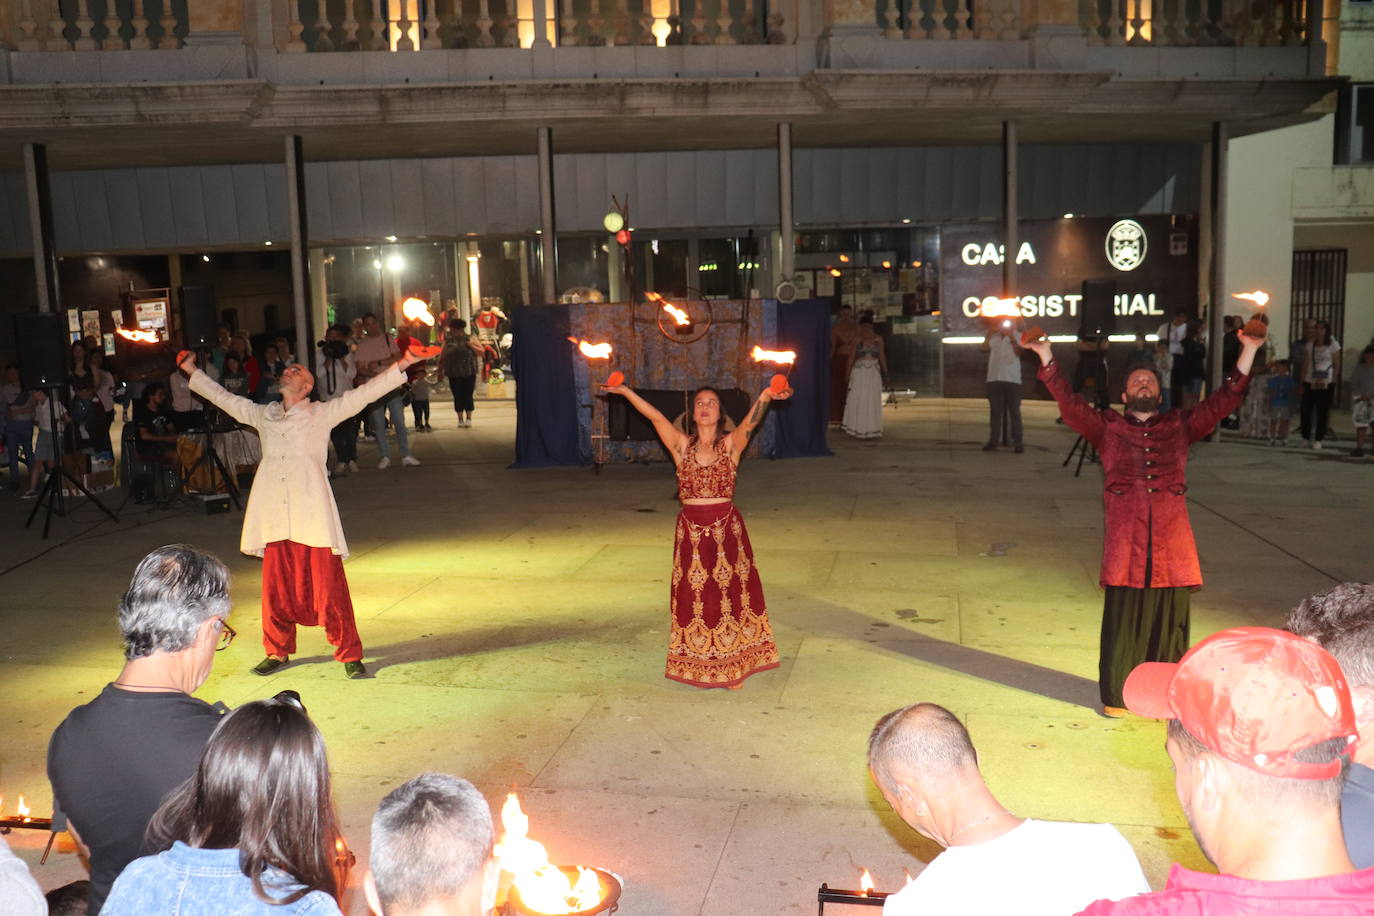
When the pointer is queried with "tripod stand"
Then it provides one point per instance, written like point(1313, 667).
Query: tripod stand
point(1085, 450)
point(52, 495)
point(210, 459)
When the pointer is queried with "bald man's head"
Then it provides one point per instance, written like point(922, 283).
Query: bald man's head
point(923, 742)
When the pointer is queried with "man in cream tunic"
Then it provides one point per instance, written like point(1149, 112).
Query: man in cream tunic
point(292, 521)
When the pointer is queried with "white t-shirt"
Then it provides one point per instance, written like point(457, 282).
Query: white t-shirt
point(1040, 868)
point(1174, 334)
point(1320, 360)
point(1003, 363)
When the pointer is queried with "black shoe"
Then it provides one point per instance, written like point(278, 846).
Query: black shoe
point(269, 664)
point(990, 447)
point(1018, 448)
point(354, 670)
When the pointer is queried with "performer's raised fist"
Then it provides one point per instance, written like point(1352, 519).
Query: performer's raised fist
point(186, 361)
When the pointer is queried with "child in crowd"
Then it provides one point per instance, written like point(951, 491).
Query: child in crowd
point(419, 400)
point(1362, 401)
point(1164, 365)
point(43, 452)
point(1282, 389)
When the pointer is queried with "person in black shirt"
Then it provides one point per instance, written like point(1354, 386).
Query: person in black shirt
point(112, 761)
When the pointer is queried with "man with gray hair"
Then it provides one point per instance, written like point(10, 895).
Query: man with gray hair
point(1341, 621)
point(431, 851)
point(923, 762)
point(112, 760)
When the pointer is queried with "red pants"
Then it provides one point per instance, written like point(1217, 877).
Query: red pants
point(306, 585)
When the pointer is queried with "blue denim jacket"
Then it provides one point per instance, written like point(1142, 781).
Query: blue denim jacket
point(203, 882)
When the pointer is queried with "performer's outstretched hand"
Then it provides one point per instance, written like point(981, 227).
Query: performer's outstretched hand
point(1042, 349)
point(186, 362)
point(623, 390)
point(770, 395)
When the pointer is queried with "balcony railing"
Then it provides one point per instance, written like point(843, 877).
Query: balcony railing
point(1201, 23)
point(409, 25)
point(95, 25)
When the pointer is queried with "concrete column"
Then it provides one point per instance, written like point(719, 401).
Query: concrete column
point(787, 256)
point(1205, 228)
point(319, 296)
point(1217, 299)
point(548, 238)
point(615, 273)
point(1010, 218)
point(174, 303)
point(541, 25)
point(40, 226)
point(300, 265)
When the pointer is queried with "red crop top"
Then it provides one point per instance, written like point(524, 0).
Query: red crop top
point(710, 481)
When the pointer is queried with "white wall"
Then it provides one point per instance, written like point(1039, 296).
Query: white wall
point(1259, 214)
point(1358, 241)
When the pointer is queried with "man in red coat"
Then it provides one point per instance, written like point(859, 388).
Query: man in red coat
point(1149, 559)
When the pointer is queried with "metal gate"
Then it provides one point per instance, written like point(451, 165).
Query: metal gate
point(1319, 289)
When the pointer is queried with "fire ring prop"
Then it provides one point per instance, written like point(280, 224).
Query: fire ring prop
point(682, 322)
point(609, 901)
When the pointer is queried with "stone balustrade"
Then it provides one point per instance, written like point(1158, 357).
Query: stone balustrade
point(299, 26)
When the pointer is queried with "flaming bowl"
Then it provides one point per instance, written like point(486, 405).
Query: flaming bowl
point(609, 901)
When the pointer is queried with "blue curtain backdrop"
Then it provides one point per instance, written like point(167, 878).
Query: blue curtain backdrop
point(545, 397)
point(804, 326)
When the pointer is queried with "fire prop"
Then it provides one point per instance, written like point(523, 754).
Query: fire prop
point(149, 336)
point(22, 818)
point(424, 351)
point(417, 310)
point(1032, 334)
point(1259, 297)
point(1006, 309)
point(778, 383)
point(864, 896)
point(1256, 329)
point(680, 317)
point(777, 357)
point(540, 888)
point(591, 350)
point(615, 379)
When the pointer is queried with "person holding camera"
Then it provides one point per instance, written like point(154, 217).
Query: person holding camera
point(334, 373)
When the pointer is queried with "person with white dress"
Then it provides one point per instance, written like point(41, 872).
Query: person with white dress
point(863, 407)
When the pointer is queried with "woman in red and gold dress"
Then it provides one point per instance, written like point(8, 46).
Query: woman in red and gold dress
point(720, 630)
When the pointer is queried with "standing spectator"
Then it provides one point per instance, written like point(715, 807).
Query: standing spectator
point(334, 373)
point(44, 449)
point(431, 851)
point(1004, 386)
point(1260, 730)
point(375, 352)
point(1321, 369)
point(269, 386)
point(1172, 334)
point(1254, 410)
point(459, 362)
point(863, 402)
point(104, 384)
point(252, 833)
point(113, 760)
point(18, 402)
point(843, 336)
point(233, 378)
point(1191, 366)
point(1362, 400)
point(1164, 367)
point(1281, 390)
point(924, 764)
point(188, 411)
point(1341, 621)
point(240, 346)
point(1299, 346)
point(284, 351)
point(419, 399)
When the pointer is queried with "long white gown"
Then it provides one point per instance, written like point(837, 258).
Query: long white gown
point(863, 408)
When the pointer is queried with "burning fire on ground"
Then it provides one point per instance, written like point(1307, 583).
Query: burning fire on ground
point(542, 886)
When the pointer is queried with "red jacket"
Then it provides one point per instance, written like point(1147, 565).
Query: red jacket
point(1192, 893)
point(1143, 462)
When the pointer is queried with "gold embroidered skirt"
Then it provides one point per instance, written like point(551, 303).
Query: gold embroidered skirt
point(720, 630)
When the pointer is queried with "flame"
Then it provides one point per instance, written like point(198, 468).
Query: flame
point(781, 357)
point(149, 336)
point(834, 272)
point(417, 310)
point(1259, 297)
point(678, 314)
point(865, 882)
point(1001, 308)
point(22, 809)
point(543, 887)
point(591, 350)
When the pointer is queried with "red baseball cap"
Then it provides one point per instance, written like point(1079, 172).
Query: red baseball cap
point(1255, 696)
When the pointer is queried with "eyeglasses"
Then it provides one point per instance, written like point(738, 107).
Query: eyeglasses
point(226, 635)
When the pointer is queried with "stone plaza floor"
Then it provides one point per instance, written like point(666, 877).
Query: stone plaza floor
point(515, 624)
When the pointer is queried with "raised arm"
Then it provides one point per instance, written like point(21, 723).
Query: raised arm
point(355, 399)
point(673, 439)
point(1078, 414)
point(740, 435)
point(241, 409)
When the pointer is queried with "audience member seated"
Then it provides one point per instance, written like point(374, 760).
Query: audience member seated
point(69, 899)
point(431, 851)
point(1341, 621)
point(922, 760)
point(112, 761)
point(19, 892)
point(1260, 732)
point(157, 435)
point(234, 377)
point(251, 833)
